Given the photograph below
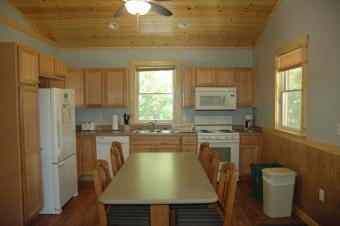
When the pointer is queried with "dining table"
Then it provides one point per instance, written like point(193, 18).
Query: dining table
point(159, 180)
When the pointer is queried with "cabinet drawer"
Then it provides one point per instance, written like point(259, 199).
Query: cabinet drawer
point(250, 139)
point(189, 140)
point(155, 140)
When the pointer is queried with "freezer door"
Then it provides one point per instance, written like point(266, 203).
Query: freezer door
point(65, 132)
point(66, 185)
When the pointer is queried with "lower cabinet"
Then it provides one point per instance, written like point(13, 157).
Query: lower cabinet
point(189, 143)
point(86, 155)
point(250, 152)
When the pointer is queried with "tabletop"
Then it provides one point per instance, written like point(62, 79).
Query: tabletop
point(160, 178)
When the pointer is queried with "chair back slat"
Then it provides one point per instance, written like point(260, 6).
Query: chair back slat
point(100, 206)
point(120, 149)
point(115, 160)
point(102, 167)
point(203, 146)
point(226, 191)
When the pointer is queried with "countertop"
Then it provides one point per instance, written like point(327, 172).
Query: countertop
point(130, 133)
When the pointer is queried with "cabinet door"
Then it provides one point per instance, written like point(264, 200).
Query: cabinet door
point(205, 77)
point(79, 151)
point(88, 154)
point(60, 68)
point(189, 84)
point(46, 65)
point(30, 151)
point(168, 148)
point(248, 154)
point(245, 87)
point(225, 77)
point(142, 148)
point(115, 87)
point(28, 65)
point(93, 88)
point(75, 80)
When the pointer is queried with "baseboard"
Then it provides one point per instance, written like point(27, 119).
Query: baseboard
point(303, 216)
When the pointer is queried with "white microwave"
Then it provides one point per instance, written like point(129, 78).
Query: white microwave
point(215, 98)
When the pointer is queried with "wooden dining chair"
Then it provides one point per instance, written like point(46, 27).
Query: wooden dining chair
point(115, 159)
point(202, 150)
point(218, 215)
point(120, 149)
point(116, 215)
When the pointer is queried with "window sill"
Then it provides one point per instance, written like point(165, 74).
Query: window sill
point(292, 133)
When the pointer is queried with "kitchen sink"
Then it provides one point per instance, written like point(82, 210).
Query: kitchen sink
point(154, 131)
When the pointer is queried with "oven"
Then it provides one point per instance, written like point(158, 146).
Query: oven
point(228, 149)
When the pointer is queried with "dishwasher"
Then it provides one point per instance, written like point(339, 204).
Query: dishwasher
point(103, 145)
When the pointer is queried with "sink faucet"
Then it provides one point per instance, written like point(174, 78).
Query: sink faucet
point(154, 124)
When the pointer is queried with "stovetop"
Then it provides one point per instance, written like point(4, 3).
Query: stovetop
point(216, 131)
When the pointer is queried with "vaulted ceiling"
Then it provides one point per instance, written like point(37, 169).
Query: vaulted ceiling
point(212, 23)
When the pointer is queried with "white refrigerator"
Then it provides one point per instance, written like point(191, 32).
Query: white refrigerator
point(58, 144)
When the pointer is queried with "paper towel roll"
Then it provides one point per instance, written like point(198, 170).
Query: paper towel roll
point(114, 122)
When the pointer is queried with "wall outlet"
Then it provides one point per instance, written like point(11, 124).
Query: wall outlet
point(338, 129)
point(321, 195)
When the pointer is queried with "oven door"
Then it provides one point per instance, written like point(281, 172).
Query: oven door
point(229, 150)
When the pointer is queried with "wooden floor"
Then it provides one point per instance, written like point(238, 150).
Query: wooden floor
point(81, 211)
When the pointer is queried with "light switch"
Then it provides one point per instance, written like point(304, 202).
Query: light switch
point(338, 129)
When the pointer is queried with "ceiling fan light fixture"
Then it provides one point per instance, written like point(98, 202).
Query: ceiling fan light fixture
point(137, 7)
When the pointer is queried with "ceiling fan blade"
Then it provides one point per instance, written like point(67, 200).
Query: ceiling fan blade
point(160, 9)
point(119, 11)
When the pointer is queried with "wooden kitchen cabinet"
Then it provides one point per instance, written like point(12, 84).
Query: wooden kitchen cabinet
point(94, 88)
point(225, 77)
point(59, 68)
point(156, 143)
point(79, 147)
point(28, 65)
point(250, 152)
point(245, 87)
point(20, 166)
point(189, 84)
point(30, 144)
point(86, 154)
point(46, 65)
point(205, 77)
point(115, 87)
point(189, 143)
point(75, 80)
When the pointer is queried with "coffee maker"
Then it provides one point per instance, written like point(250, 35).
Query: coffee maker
point(248, 122)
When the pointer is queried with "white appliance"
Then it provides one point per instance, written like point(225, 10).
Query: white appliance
point(215, 98)
point(217, 131)
point(103, 145)
point(58, 144)
point(114, 122)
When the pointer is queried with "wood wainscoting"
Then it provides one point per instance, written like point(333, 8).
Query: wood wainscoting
point(316, 168)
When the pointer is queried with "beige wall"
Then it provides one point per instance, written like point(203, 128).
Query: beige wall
point(294, 19)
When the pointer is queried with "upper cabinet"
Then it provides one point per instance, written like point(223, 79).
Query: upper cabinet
point(46, 65)
point(245, 86)
point(115, 87)
point(189, 83)
point(106, 87)
point(28, 65)
point(51, 67)
point(241, 78)
point(75, 80)
point(205, 77)
point(94, 88)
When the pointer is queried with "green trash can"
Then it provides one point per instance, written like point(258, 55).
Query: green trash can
point(256, 174)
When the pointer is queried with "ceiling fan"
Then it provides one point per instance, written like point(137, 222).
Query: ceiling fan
point(142, 7)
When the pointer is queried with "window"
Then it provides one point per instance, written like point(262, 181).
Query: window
point(154, 92)
point(290, 76)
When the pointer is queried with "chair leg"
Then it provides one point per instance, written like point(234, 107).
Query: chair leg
point(172, 218)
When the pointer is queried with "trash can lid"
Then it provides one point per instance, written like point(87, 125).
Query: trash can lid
point(278, 171)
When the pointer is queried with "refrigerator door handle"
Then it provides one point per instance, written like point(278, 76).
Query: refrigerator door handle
point(61, 164)
point(59, 125)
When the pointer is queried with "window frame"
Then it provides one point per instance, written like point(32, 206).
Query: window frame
point(302, 44)
point(134, 90)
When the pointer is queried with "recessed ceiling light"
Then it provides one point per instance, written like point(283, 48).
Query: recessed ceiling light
point(183, 25)
point(113, 26)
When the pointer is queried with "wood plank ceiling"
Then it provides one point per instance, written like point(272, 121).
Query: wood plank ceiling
point(212, 23)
